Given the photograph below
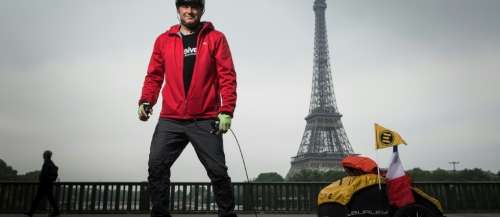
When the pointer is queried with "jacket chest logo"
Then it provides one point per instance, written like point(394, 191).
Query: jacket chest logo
point(189, 51)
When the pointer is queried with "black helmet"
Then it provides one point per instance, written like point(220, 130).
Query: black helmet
point(201, 3)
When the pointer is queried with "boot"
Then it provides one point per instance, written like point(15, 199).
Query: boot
point(55, 214)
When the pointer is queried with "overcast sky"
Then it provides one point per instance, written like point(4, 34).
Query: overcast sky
point(71, 74)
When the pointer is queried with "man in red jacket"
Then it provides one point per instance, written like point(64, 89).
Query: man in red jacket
point(193, 62)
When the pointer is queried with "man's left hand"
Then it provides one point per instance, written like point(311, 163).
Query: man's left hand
point(224, 122)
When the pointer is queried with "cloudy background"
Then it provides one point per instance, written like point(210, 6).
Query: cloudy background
point(71, 74)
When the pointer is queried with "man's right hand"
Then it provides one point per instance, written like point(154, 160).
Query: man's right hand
point(145, 110)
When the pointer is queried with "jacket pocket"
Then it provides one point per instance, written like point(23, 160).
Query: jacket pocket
point(170, 106)
point(201, 106)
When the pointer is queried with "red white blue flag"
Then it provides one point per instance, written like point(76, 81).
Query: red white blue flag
point(398, 183)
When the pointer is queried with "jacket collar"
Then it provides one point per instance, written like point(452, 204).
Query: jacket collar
point(206, 27)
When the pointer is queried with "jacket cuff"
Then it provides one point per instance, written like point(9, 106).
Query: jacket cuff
point(143, 101)
point(227, 113)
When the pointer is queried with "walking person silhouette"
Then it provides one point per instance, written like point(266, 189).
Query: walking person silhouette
point(47, 177)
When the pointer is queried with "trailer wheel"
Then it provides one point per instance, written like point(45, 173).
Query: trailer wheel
point(332, 210)
point(415, 210)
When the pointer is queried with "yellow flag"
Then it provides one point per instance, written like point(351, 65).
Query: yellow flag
point(385, 138)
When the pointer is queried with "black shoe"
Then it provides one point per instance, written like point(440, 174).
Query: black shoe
point(54, 214)
point(28, 214)
point(232, 214)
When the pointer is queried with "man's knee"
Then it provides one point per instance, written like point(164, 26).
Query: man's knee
point(219, 175)
point(157, 170)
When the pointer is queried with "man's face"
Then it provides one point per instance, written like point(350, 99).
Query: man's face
point(190, 15)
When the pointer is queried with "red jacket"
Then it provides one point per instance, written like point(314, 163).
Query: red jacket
point(213, 85)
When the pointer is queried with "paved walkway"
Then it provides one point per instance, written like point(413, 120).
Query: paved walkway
point(242, 215)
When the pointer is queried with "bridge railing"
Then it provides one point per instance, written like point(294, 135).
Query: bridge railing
point(197, 197)
point(464, 196)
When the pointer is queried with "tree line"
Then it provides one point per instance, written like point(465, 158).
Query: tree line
point(416, 174)
point(7, 173)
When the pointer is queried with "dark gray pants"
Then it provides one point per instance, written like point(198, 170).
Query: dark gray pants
point(44, 190)
point(169, 140)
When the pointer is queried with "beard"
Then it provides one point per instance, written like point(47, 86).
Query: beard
point(191, 26)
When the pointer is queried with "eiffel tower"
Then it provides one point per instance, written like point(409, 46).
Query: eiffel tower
point(324, 143)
